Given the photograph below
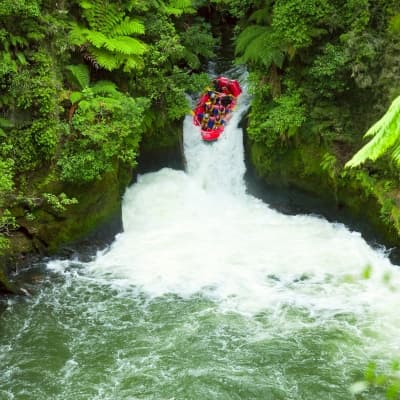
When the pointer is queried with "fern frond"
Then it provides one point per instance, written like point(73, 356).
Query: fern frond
point(178, 7)
point(191, 58)
point(105, 59)
point(104, 16)
point(75, 97)
point(263, 15)
point(105, 87)
point(133, 62)
point(78, 34)
point(256, 44)
point(396, 154)
point(255, 53)
point(96, 38)
point(391, 114)
point(173, 11)
point(125, 45)
point(86, 5)
point(248, 35)
point(128, 27)
point(385, 136)
point(275, 56)
point(84, 105)
point(81, 75)
point(21, 58)
point(108, 42)
point(183, 4)
point(109, 102)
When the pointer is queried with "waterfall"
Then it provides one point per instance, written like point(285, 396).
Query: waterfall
point(218, 166)
point(207, 294)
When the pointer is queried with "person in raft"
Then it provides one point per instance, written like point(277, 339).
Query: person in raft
point(211, 122)
point(205, 120)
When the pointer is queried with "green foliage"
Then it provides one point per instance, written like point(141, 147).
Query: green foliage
point(257, 45)
point(106, 127)
point(63, 113)
point(59, 202)
point(329, 164)
point(80, 74)
point(236, 8)
point(178, 7)
point(6, 178)
point(385, 382)
point(176, 50)
point(7, 222)
point(7, 225)
point(19, 8)
point(385, 138)
point(4, 125)
point(204, 48)
point(322, 69)
point(395, 23)
point(287, 116)
point(328, 70)
point(280, 120)
point(108, 40)
point(298, 22)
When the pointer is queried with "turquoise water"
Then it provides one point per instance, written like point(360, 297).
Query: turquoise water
point(78, 338)
point(208, 294)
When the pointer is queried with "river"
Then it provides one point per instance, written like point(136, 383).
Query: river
point(208, 293)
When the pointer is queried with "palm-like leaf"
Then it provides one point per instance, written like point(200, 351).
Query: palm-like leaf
point(108, 41)
point(262, 15)
point(128, 27)
point(75, 97)
point(97, 39)
point(248, 35)
point(256, 44)
point(77, 34)
point(81, 75)
point(133, 62)
point(385, 137)
point(101, 15)
point(125, 45)
point(105, 87)
point(105, 58)
point(178, 7)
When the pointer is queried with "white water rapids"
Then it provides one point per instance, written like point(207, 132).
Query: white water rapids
point(207, 294)
point(199, 232)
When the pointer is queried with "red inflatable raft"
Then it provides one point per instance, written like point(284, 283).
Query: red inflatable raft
point(215, 106)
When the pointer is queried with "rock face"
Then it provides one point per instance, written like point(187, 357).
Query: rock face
point(362, 201)
point(47, 231)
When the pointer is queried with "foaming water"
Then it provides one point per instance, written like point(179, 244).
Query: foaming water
point(198, 231)
point(207, 294)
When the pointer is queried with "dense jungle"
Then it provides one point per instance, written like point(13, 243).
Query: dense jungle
point(93, 92)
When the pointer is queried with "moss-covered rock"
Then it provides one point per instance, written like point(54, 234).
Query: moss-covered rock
point(162, 147)
point(317, 169)
point(43, 230)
